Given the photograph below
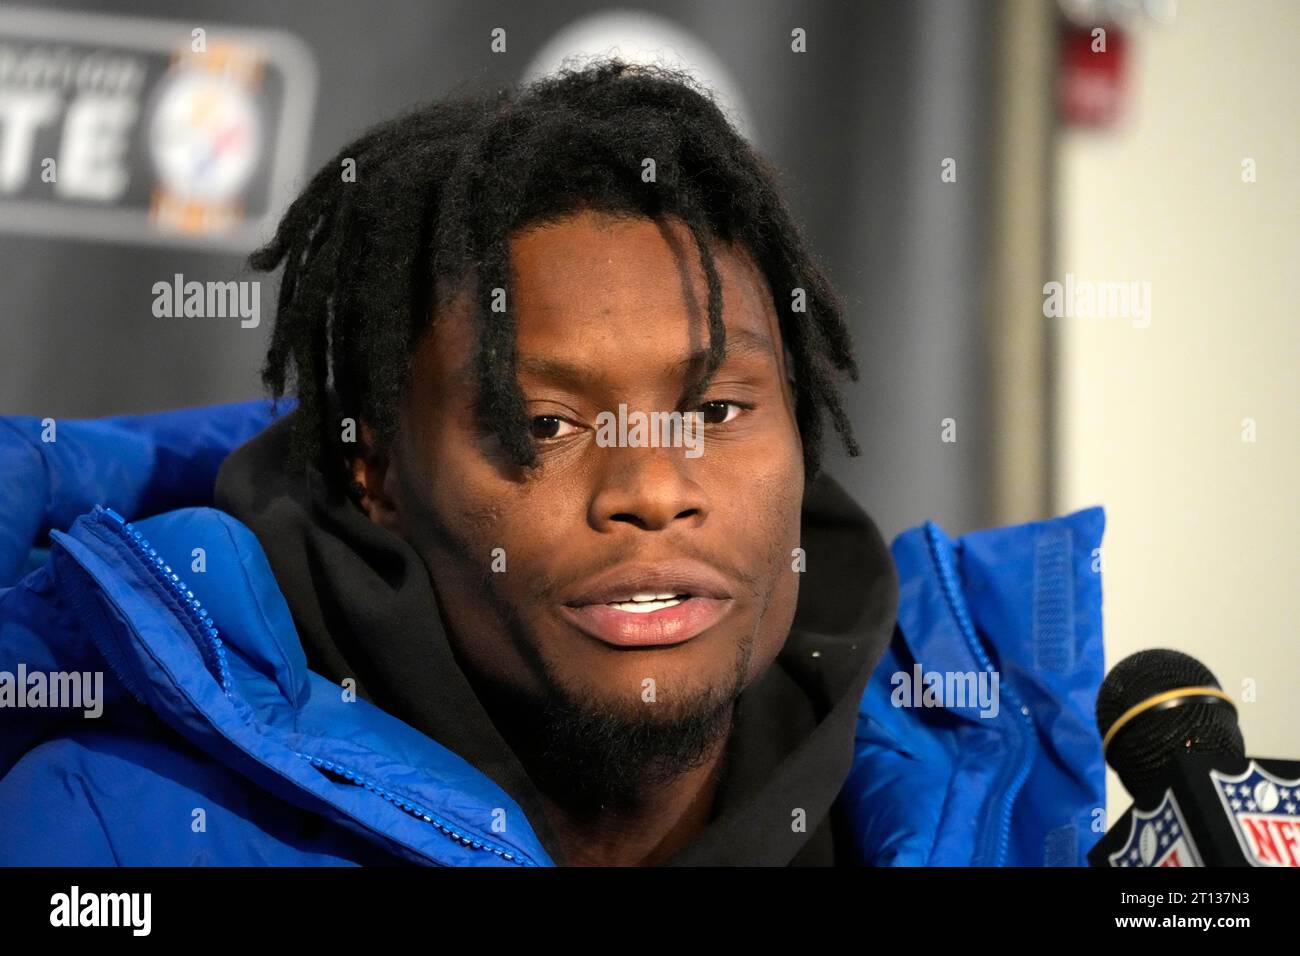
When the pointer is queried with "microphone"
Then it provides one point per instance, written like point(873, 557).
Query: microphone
point(1170, 732)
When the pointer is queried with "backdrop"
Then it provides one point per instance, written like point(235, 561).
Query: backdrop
point(859, 121)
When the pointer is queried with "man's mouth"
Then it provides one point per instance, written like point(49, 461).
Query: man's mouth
point(650, 605)
point(647, 603)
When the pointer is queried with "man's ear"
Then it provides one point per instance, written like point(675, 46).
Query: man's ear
point(375, 481)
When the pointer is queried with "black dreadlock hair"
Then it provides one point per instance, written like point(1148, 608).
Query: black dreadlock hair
point(438, 191)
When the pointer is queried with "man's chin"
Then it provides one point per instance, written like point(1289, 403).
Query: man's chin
point(595, 754)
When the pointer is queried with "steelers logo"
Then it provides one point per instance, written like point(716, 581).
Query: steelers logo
point(205, 136)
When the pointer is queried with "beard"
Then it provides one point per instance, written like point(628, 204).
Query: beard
point(595, 756)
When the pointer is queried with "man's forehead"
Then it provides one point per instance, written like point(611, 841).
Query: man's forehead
point(591, 265)
point(591, 290)
point(667, 362)
point(630, 283)
point(582, 346)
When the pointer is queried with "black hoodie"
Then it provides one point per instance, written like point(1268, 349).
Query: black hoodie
point(365, 608)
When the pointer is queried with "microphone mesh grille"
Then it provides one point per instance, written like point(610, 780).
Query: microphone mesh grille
point(1141, 751)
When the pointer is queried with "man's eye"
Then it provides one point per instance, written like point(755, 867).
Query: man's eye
point(551, 426)
point(719, 412)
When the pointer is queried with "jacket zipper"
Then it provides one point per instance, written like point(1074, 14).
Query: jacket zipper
point(196, 619)
point(951, 592)
point(199, 623)
point(414, 809)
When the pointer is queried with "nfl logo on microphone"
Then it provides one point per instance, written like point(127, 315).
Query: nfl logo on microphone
point(1265, 812)
point(1158, 838)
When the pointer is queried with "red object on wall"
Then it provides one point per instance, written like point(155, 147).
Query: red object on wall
point(1091, 74)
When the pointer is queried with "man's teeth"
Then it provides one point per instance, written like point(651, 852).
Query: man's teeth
point(646, 603)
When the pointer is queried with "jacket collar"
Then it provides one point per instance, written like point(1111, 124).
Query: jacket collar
point(230, 682)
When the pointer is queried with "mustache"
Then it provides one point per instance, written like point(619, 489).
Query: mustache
point(552, 587)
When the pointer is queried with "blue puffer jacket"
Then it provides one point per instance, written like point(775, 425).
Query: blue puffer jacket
point(210, 716)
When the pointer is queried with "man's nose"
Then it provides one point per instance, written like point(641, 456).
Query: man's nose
point(650, 488)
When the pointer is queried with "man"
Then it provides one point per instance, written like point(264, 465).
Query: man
point(502, 604)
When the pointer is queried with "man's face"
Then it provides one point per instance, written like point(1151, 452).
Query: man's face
point(527, 565)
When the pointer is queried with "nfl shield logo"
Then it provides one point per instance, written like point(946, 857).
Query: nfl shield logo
point(1265, 813)
point(1158, 838)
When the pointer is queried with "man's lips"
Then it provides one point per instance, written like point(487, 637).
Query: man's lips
point(700, 598)
point(672, 625)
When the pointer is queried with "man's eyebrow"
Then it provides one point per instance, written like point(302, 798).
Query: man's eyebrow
point(739, 342)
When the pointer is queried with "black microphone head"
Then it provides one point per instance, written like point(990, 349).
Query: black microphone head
point(1147, 743)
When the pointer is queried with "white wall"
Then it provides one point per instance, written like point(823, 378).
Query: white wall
point(1202, 527)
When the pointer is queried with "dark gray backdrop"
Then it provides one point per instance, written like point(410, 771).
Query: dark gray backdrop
point(859, 124)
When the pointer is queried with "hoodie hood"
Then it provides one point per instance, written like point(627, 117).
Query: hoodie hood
point(365, 609)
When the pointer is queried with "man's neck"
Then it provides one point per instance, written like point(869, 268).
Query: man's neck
point(613, 794)
point(667, 819)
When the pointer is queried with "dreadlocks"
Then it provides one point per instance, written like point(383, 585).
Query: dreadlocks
point(437, 194)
